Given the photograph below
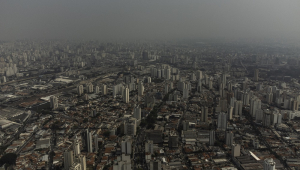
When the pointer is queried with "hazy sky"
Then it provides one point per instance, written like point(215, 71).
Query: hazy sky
point(149, 19)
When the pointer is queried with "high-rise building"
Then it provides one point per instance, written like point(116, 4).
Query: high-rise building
point(96, 141)
point(230, 112)
point(266, 120)
point(210, 84)
point(90, 88)
point(149, 147)
point(148, 79)
point(115, 91)
point(104, 90)
point(86, 97)
point(199, 74)
point(82, 161)
point(254, 105)
point(173, 140)
point(294, 105)
point(126, 146)
point(145, 55)
point(159, 73)
point(259, 114)
point(229, 86)
point(246, 98)
point(137, 113)
point(53, 102)
point(204, 114)
point(155, 165)
point(193, 77)
point(140, 89)
point(238, 106)
point(269, 164)
point(126, 95)
point(4, 79)
point(171, 86)
point(236, 150)
point(168, 74)
point(68, 159)
point(256, 74)
point(130, 127)
point(185, 93)
point(89, 141)
point(76, 147)
point(222, 121)
point(97, 89)
point(75, 166)
point(223, 105)
point(166, 88)
point(199, 86)
point(212, 137)
point(232, 101)
point(186, 125)
point(80, 90)
point(229, 138)
point(224, 78)
point(269, 98)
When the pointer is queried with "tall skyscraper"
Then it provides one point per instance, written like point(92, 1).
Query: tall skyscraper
point(126, 95)
point(269, 164)
point(256, 74)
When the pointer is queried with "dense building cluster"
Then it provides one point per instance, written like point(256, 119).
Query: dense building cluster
point(120, 106)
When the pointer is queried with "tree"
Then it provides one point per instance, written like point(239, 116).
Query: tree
point(9, 159)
